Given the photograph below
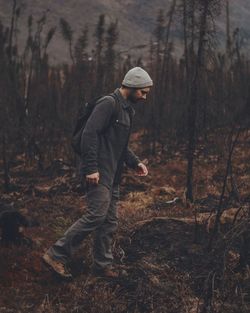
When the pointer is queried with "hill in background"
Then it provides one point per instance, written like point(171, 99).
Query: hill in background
point(136, 20)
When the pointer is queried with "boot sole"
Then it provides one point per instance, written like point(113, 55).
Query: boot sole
point(58, 274)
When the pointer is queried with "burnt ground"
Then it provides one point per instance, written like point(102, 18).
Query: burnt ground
point(163, 250)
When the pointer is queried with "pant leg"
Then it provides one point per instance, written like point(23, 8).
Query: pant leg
point(98, 203)
point(102, 249)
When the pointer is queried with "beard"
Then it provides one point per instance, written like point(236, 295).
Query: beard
point(132, 96)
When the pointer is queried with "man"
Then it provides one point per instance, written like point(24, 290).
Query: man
point(104, 149)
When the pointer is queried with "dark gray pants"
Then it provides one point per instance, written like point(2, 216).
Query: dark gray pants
point(101, 218)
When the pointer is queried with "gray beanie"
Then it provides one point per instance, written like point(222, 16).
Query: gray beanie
point(137, 78)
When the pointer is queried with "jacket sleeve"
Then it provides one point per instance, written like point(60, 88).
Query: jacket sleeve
point(131, 160)
point(97, 122)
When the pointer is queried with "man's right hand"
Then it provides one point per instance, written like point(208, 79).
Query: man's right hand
point(93, 179)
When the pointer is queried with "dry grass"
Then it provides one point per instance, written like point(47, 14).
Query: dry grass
point(167, 271)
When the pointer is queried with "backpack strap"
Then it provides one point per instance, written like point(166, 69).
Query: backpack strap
point(115, 104)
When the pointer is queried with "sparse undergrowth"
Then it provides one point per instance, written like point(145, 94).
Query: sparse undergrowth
point(163, 249)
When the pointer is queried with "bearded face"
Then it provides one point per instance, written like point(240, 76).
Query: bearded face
point(136, 95)
point(132, 97)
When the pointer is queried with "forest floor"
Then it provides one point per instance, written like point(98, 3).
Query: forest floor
point(162, 241)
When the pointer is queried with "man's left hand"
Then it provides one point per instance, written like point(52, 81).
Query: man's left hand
point(141, 170)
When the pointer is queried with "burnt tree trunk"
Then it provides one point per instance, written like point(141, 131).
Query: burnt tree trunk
point(5, 165)
point(192, 103)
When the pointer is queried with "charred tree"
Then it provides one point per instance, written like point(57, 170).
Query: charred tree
point(99, 34)
point(206, 9)
point(110, 56)
point(192, 103)
point(67, 34)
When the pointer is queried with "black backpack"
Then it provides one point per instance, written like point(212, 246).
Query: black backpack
point(82, 118)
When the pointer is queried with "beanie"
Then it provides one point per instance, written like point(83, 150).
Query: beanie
point(137, 78)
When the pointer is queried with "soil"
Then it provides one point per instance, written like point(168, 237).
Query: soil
point(161, 244)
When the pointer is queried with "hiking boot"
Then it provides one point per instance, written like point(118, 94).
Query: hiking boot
point(109, 272)
point(57, 266)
